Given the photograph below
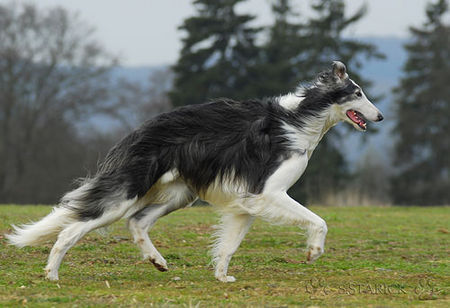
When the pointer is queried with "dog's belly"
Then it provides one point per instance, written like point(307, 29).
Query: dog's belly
point(230, 191)
point(224, 193)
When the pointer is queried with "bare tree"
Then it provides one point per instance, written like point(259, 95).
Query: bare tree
point(136, 103)
point(52, 72)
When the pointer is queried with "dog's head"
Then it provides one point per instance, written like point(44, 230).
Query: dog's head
point(349, 103)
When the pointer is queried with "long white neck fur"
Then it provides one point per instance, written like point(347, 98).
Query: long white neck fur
point(307, 137)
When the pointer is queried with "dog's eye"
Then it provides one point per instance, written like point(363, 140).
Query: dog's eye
point(358, 93)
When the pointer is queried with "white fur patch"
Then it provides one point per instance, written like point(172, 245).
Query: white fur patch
point(169, 176)
point(225, 192)
point(287, 173)
point(309, 135)
point(290, 101)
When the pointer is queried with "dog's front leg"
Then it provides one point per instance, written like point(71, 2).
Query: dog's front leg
point(278, 207)
point(229, 236)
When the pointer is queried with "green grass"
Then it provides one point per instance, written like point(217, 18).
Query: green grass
point(387, 256)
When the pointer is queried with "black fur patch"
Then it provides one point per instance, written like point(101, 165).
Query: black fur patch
point(220, 139)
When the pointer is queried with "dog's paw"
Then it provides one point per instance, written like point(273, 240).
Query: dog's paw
point(161, 265)
point(51, 275)
point(226, 278)
point(313, 253)
point(158, 261)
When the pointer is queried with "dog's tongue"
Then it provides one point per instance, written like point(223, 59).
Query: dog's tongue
point(353, 116)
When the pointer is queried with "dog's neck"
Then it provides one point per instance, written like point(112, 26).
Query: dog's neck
point(309, 130)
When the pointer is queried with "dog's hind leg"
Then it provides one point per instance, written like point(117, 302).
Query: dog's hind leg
point(140, 223)
point(73, 232)
point(229, 236)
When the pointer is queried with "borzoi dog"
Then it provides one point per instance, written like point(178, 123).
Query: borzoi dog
point(240, 156)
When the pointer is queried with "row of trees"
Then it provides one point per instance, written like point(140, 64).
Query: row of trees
point(221, 57)
point(422, 152)
point(54, 77)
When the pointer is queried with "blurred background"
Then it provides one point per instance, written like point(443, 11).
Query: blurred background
point(76, 76)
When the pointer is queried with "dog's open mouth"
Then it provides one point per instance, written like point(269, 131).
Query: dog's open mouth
point(357, 118)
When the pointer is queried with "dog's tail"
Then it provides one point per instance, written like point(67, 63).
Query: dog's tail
point(38, 232)
point(89, 201)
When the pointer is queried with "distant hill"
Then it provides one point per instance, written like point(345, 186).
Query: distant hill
point(390, 68)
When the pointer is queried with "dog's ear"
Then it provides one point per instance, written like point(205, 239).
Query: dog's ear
point(323, 77)
point(339, 70)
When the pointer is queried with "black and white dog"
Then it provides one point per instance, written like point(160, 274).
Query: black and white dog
point(239, 156)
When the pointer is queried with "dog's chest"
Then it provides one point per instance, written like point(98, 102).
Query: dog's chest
point(287, 173)
point(303, 141)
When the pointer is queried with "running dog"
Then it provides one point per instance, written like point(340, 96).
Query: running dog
point(240, 156)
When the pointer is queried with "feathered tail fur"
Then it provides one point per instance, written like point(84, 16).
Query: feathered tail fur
point(45, 229)
point(60, 217)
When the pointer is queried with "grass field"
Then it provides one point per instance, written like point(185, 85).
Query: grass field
point(385, 256)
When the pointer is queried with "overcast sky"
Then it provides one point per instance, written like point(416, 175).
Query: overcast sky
point(144, 32)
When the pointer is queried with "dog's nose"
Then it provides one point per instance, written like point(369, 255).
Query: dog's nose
point(380, 117)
